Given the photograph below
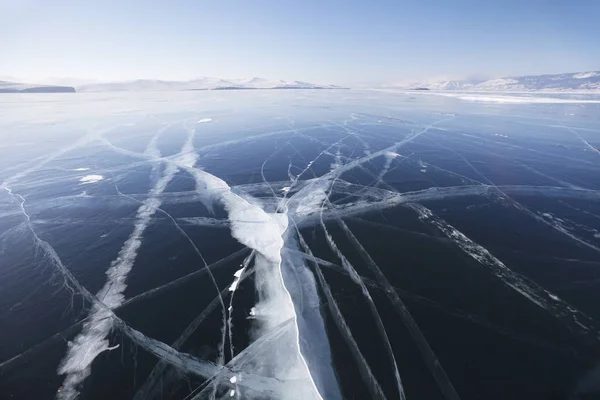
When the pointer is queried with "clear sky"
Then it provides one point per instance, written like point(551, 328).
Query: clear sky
point(323, 41)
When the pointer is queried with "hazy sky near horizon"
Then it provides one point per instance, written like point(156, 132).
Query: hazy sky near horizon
point(323, 41)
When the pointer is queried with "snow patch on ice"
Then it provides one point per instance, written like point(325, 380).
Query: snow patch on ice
point(91, 179)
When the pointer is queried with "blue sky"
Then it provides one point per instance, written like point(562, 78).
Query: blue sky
point(325, 41)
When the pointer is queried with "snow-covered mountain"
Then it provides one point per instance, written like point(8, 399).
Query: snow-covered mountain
point(448, 85)
point(570, 82)
point(200, 84)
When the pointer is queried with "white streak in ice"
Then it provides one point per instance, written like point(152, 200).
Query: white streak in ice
point(103, 319)
point(573, 319)
point(365, 371)
point(92, 340)
point(588, 145)
point(374, 312)
point(427, 353)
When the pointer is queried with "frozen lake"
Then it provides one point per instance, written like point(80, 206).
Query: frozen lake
point(299, 244)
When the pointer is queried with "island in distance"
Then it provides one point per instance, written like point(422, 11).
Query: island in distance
point(13, 87)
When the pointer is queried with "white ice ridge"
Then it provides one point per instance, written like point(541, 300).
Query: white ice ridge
point(262, 232)
point(203, 120)
point(92, 340)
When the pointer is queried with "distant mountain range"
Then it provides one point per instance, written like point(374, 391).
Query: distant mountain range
point(570, 82)
point(163, 85)
point(200, 84)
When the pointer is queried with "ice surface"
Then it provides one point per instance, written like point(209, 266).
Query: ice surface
point(324, 217)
